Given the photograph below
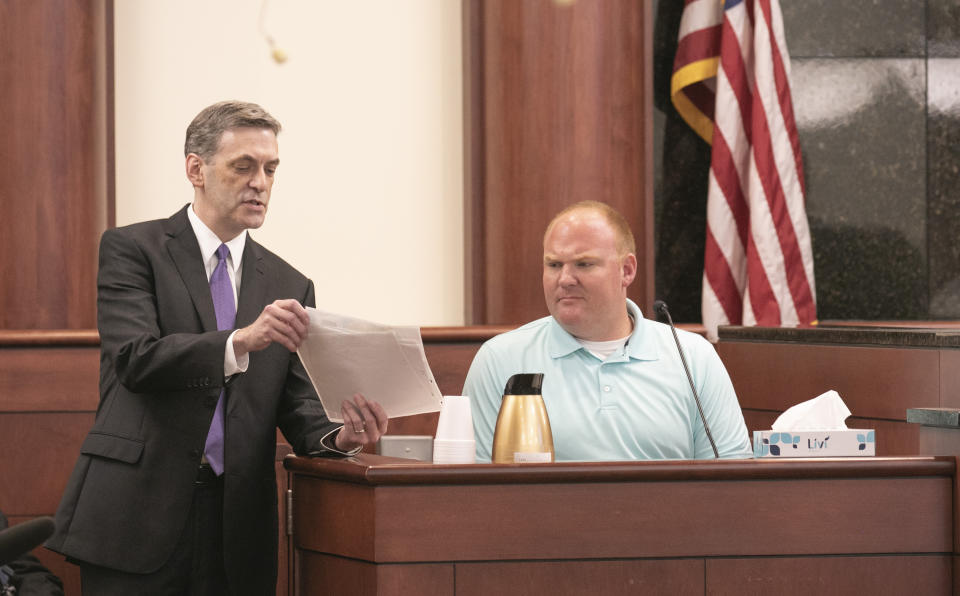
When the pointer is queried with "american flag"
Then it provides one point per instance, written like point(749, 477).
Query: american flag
point(731, 83)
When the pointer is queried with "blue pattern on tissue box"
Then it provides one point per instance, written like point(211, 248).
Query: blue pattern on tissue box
point(779, 443)
point(863, 440)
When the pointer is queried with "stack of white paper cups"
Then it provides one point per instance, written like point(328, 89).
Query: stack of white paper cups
point(454, 443)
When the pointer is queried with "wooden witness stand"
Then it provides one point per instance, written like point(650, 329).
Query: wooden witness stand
point(376, 525)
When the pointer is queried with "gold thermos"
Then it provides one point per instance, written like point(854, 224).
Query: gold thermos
point(523, 428)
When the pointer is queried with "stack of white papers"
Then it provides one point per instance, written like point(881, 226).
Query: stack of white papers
point(344, 355)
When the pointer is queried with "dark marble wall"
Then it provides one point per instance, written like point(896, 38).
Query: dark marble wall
point(876, 90)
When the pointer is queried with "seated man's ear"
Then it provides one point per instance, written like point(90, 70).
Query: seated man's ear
point(628, 269)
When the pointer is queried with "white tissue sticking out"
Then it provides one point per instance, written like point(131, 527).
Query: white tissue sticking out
point(824, 412)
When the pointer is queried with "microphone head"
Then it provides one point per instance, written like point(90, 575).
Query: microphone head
point(20, 539)
point(659, 306)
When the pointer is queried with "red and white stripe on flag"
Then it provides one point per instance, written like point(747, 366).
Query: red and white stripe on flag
point(731, 84)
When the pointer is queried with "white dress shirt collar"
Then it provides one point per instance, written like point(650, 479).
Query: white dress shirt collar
point(209, 242)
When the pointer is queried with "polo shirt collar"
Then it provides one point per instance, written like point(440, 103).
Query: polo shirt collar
point(559, 342)
point(639, 347)
point(642, 344)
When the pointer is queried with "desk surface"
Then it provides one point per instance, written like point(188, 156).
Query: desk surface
point(849, 334)
point(379, 470)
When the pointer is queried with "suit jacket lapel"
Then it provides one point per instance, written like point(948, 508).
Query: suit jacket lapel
point(253, 291)
point(253, 286)
point(185, 252)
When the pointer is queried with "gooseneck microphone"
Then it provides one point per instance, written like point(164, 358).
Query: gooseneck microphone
point(660, 307)
point(20, 539)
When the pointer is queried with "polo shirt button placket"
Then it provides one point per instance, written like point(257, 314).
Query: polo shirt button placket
point(606, 391)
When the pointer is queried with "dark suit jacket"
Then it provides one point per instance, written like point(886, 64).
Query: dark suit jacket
point(161, 372)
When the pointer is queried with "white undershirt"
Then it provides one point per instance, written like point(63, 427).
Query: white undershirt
point(603, 349)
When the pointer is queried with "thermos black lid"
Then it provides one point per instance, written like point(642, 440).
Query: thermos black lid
point(524, 384)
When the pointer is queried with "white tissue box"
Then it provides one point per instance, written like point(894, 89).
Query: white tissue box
point(815, 443)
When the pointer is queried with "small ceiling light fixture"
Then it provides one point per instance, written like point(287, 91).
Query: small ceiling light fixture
point(277, 53)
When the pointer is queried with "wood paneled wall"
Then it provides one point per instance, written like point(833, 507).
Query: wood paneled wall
point(56, 196)
point(48, 396)
point(56, 89)
point(558, 110)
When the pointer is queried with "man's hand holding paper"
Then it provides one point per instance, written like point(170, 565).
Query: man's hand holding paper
point(364, 422)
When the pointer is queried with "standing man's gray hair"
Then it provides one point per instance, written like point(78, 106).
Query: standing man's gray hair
point(203, 134)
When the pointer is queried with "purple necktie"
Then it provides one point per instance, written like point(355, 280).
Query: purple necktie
point(225, 307)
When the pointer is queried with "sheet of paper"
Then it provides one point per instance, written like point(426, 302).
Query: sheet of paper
point(344, 355)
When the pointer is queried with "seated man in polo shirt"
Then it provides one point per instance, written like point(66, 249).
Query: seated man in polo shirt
point(614, 384)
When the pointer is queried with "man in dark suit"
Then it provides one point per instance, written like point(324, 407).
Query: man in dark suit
point(174, 491)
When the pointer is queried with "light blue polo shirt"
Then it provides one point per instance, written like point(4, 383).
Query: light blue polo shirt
point(635, 405)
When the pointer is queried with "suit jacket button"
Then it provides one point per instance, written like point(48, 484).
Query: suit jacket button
point(194, 453)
